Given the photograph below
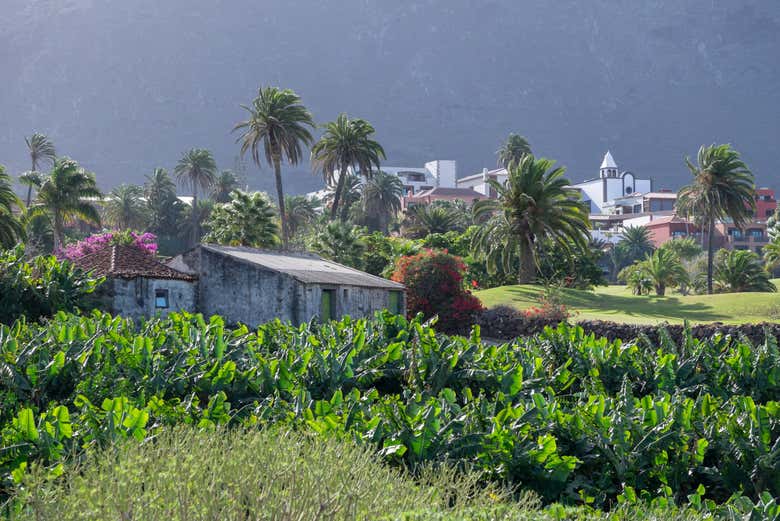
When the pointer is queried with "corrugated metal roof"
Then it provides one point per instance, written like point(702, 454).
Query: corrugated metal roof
point(306, 268)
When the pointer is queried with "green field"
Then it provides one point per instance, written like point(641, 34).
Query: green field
point(616, 303)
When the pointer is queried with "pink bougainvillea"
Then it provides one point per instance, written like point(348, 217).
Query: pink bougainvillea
point(145, 241)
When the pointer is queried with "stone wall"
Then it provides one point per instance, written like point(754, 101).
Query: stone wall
point(135, 298)
point(506, 323)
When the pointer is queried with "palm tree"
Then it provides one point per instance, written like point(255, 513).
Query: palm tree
point(164, 209)
point(723, 187)
point(125, 208)
point(224, 183)
point(301, 212)
point(342, 243)
point(277, 123)
point(31, 179)
point(422, 220)
point(636, 278)
point(741, 271)
point(63, 197)
point(197, 169)
point(11, 229)
point(382, 199)
point(41, 150)
point(535, 203)
point(636, 242)
point(772, 254)
point(248, 219)
point(513, 150)
point(194, 217)
point(664, 269)
point(350, 193)
point(346, 144)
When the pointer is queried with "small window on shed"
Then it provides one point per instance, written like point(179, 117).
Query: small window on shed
point(394, 302)
point(161, 298)
point(328, 304)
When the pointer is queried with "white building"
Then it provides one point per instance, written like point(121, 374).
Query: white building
point(611, 184)
point(479, 182)
point(441, 173)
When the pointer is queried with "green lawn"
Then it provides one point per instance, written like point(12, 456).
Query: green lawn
point(616, 303)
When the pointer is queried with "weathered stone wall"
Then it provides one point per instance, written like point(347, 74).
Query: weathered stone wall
point(354, 301)
point(135, 298)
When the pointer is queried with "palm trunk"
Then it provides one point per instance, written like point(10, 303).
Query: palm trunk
point(195, 222)
point(280, 197)
point(58, 232)
point(660, 290)
point(337, 195)
point(527, 263)
point(29, 195)
point(710, 248)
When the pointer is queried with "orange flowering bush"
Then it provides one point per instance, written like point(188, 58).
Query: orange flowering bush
point(434, 284)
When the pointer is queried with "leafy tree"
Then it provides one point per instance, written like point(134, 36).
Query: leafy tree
point(125, 208)
point(224, 183)
point(278, 124)
point(11, 229)
point(535, 203)
point(723, 187)
point(164, 209)
point(197, 169)
point(572, 267)
point(342, 243)
point(301, 212)
point(41, 150)
point(772, 254)
point(64, 197)
point(513, 150)
point(664, 269)
point(382, 200)
point(248, 219)
point(686, 248)
point(346, 144)
point(741, 271)
point(422, 220)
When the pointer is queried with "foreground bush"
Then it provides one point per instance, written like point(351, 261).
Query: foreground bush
point(574, 418)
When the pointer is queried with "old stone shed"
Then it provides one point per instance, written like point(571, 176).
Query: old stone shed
point(139, 286)
point(254, 286)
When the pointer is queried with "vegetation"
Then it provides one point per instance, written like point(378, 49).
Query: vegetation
point(513, 150)
point(278, 124)
point(340, 242)
point(125, 208)
point(40, 287)
point(570, 417)
point(740, 271)
point(248, 219)
point(11, 229)
point(381, 200)
point(428, 219)
point(41, 150)
point(197, 169)
point(65, 196)
point(224, 183)
point(346, 144)
point(535, 203)
point(722, 188)
point(434, 288)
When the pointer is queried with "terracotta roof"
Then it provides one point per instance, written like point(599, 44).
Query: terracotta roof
point(128, 262)
point(668, 219)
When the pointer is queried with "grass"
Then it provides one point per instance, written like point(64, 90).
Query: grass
point(616, 303)
point(248, 475)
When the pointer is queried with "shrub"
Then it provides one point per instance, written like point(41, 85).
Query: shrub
point(434, 283)
point(145, 241)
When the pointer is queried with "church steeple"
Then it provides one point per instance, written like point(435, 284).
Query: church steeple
point(608, 166)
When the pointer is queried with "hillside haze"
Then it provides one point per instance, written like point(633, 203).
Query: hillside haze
point(124, 87)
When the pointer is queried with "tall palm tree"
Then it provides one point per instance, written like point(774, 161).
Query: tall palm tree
point(197, 169)
point(723, 187)
point(224, 183)
point(346, 144)
point(11, 229)
point(164, 209)
point(534, 204)
point(382, 198)
point(278, 124)
point(194, 217)
point(125, 208)
point(41, 150)
point(64, 197)
point(31, 179)
point(248, 219)
point(301, 212)
point(350, 193)
point(512, 150)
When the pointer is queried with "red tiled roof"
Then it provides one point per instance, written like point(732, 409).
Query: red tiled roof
point(128, 262)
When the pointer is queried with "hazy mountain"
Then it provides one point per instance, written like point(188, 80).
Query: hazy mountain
point(124, 86)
